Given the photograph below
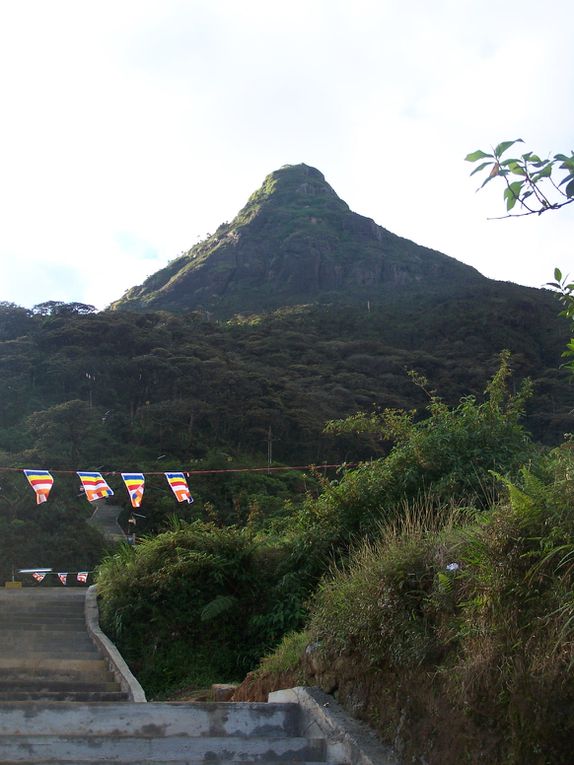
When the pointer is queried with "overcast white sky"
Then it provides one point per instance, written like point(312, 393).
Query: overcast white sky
point(131, 128)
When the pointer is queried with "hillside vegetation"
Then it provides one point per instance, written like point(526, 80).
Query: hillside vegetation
point(427, 581)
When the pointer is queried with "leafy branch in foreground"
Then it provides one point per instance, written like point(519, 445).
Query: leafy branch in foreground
point(536, 184)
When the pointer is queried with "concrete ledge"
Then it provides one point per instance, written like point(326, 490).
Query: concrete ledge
point(349, 741)
point(116, 663)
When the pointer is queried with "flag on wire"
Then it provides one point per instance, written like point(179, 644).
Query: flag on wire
point(41, 481)
point(82, 576)
point(38, 576)
point(135, 485)
point(95, 486)
point(179, 487)
point(63, 577)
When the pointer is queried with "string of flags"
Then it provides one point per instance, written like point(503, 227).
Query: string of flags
point(81, 576)
point(95, 486)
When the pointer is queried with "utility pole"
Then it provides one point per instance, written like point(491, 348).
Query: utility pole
point(269, 449)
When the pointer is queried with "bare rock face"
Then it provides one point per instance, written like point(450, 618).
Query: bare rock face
point(294, 242)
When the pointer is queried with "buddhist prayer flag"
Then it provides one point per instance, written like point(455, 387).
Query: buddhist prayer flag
point(63, 577)
point(82, 576)
point(135, 485)
point(179, 487)
point(38, 576)
point(41, 481)
point(94, 486)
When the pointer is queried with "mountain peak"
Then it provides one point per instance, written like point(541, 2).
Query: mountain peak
point(295, 241)
point(297, 186)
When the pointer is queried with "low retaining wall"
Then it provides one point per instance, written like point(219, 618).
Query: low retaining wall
point(116, 663)
point(348, 740)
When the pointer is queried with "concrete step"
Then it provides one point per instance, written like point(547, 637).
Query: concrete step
point(34, 616)
point(56, 653)
point(42, 664)
point(18, 678)
point(221, 749)
point(56, 685)
point(65, 637)
point(27, 604)
point(42, 625)
point(185, 761)
point(52, 626)
point(51, 696)
point(152, 719)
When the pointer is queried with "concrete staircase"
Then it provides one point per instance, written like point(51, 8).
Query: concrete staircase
point(46, 653)
point(59, 705)
point(155, 733)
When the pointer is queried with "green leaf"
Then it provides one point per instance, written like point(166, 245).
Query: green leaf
point(570, 189)
point(558, 274)
point(544, 173)
point(516, 168)
point(530, 157)
point(478, 154)
point(512, 194)
point(502, 147)
point(486, 180)
point(480, 167)
point(217, 606)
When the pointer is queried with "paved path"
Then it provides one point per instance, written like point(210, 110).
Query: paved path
point(105, 519)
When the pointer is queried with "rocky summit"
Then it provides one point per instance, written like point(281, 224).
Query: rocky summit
point(296, 242)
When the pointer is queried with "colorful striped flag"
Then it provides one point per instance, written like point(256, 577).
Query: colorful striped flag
point(41, 481)
point(179, 487)
point(135, 485)
point(38, 576)
point(82, 576)
point(95, 486)
point(63, 577)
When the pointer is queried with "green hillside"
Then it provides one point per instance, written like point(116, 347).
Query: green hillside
point(429, 584)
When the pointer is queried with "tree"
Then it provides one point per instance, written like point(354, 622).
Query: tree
point(536, 187)
point(59, 308)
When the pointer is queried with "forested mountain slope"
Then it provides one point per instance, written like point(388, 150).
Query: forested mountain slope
point(160, 383)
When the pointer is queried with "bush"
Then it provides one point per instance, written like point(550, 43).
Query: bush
point(179, 604)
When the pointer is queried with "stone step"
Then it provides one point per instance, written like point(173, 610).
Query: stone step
point(48, 616)
point(219, 749)
point(186, 761)
point(46, 643)
point(55, 629)
point(56, 653)
point(15, 678)
point(51, 685)
point(29, 599)
point(154, 718)
point(42, 664)
point(8, 636)
point(27, 605)
point(127, 761)
point(56, 626)
point(34, 616)
point(75, 696)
